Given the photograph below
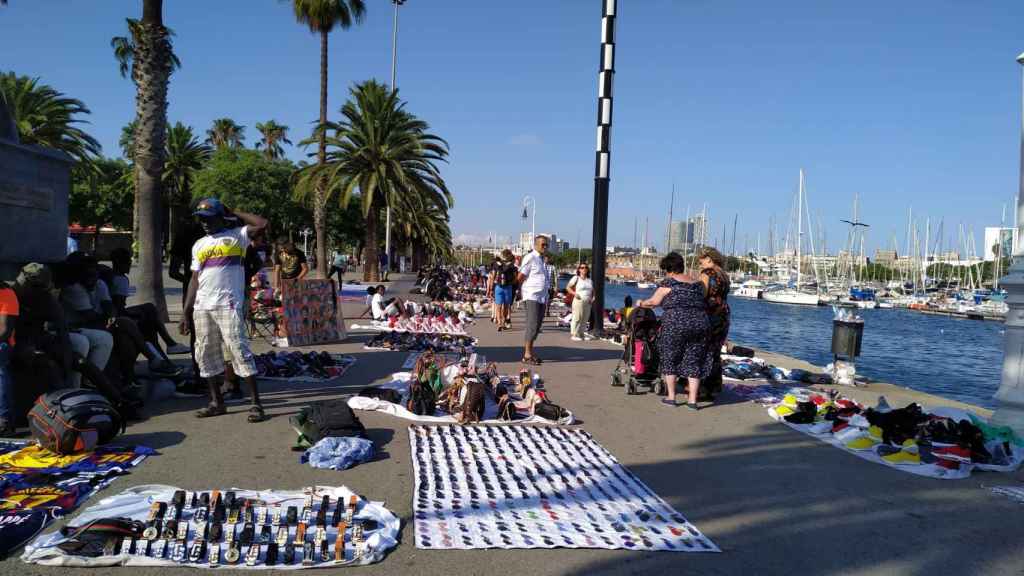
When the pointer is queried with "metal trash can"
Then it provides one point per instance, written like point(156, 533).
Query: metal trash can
point(846, 338)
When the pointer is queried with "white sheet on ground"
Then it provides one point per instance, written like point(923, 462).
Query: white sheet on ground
point(135, 503)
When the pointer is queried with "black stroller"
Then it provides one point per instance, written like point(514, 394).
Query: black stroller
point(640, 365)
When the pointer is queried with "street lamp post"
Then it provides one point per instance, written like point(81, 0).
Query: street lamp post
point(602, 168)
point(394, 86)
point(533, 227)
point(1010, 395)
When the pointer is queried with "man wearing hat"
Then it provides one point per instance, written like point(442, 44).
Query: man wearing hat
point(214, 306)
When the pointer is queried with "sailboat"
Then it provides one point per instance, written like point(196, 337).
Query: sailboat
point(794, 295)
point(643, 284)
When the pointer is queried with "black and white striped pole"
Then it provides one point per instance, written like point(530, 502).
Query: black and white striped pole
point(605, 79)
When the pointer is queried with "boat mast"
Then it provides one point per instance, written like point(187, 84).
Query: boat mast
point(799, 226)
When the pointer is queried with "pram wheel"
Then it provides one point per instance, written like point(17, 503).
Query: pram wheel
point(616, 379)
point(630, 386)
point(659, 387)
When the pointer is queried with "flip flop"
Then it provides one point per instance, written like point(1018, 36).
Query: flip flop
point(668, 402)
point(256, 414)
point(211, 411)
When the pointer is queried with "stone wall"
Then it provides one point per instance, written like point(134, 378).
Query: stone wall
point(34, 187)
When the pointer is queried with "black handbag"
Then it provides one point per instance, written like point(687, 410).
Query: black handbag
point(550, 411)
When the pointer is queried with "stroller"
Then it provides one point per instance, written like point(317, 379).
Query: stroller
point(640, 364)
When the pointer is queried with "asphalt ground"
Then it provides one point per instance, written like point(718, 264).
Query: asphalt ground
point(774, 500)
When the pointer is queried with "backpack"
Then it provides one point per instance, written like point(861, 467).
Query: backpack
point(324, 419)
point(74, 421)
point(508, 275)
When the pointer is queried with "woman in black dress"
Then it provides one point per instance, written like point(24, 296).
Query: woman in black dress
point(716, 287)
point(683, 340)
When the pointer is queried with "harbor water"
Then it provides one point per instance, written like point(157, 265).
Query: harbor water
point(950, 357)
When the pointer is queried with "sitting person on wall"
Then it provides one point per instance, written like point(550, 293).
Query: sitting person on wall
point(89, 308)
point(8, 317)
point(145, 315)
point(291, 262)
point(382, 308)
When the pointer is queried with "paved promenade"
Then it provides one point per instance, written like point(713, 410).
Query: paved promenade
point(774, 500)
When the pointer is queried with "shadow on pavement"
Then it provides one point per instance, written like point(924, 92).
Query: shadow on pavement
point(155, 440)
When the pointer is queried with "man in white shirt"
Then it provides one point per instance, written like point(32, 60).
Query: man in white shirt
point(214, 306)
point(534, 284)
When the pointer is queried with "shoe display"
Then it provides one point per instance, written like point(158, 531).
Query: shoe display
point(863, 443)
point(903, 458)
point(790, 401)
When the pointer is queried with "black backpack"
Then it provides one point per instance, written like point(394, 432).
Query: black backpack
point(324, 419)
point(74, 421)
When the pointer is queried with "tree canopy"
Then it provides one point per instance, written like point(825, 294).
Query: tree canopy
point(46, 117)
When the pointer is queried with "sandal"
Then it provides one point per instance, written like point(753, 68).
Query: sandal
point(256, 414)
point(211, 410)
point(533, 360)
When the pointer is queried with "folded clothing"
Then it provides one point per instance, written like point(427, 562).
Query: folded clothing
point(338, 453)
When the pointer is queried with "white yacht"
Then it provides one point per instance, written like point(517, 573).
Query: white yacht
point(749, 289)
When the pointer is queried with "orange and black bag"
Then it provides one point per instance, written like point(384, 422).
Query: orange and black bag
point(74, 421)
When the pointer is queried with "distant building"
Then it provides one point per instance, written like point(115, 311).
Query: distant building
point(684, 235)
point(886, 257)
point(996, 237)
point(555, 246)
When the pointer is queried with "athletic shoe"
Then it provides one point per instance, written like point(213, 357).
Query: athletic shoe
point(903, 458)
point(863, 443)
point(782, 411)
point(576, 339)
point(820, 428)
point(790, 401)
point(178, 349)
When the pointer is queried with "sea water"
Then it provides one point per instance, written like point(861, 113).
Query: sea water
point(954, 358)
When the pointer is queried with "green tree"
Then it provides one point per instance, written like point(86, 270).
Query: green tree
point(272, 135)
point(186, 155)
point(225, 133)
point(126, 142)
point(323, 16)
point(45, 117)
point(383, 152)
point(101, 194)
point(246, 179)
point(150, 58)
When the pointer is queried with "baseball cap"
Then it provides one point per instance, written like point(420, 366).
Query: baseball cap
point(209, 207)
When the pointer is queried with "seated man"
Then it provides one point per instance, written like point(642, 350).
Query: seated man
point(145, 315)
point(90, 310)
point(8, 316)
point(46, 356)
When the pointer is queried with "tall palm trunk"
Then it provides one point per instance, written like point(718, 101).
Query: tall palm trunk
point(319, 200)
point(371, 267)
point(153, 70)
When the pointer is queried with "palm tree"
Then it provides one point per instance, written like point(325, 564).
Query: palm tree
point(323, 16)
point(127, 140)
point(45, 117)
point(386, 154)
point(225, 133)
point(186, 155)
point(273, 134)
point(150, 58)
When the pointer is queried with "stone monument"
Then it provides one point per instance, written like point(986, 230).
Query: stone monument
point(34, 186)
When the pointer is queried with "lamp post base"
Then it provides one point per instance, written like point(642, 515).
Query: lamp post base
point(1010, 411)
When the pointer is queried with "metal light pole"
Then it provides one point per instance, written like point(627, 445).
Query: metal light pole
point(394, 86)
point(1010, 395)
point(605, 79)
point(533, 227)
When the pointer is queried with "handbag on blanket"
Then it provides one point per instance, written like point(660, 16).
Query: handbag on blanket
point(380, 393)
point(100, 537)
point(472, 400)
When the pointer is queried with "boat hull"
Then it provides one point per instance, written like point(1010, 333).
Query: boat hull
point(790, 297)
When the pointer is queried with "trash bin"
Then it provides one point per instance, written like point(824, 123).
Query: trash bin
point(846, 338)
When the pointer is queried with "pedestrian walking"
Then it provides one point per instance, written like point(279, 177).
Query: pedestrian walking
point(215, 301)
point(581, 292)
point(534, 282)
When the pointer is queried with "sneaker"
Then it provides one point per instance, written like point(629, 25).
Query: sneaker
point(863, 443)
point(820, 428)
point(576, 339)
point(782, 411)
point(178, 349)
point(790, 401)
point(903, 458)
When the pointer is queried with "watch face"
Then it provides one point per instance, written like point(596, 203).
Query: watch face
point(231, 555)
point(149, 533)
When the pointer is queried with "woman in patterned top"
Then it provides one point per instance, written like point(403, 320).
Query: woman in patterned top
point(716, 290)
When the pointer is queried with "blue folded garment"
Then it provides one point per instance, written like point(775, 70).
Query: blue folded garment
point(338, 453)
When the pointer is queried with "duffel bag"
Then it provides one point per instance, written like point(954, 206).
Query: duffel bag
point(326, 418)
point(74, 421)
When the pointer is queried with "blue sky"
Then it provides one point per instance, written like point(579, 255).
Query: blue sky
point(904, 103)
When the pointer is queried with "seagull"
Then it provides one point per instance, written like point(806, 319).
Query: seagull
point(856, 223)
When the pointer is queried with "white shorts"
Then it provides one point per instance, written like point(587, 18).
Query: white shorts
point(220, 334)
